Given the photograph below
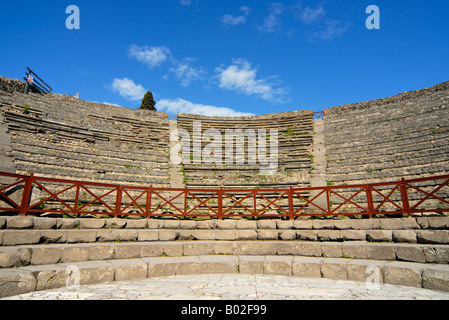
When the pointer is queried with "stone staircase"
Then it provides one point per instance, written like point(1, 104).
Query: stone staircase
point(43, 253)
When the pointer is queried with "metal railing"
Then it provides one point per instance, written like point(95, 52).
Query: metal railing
point(37, 195)
point(34, 81)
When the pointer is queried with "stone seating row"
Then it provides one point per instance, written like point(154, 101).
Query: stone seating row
point(24, 237)
point(30, 222)
point(35, 278)
point(44, 254)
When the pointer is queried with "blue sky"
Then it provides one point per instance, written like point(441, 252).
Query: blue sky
point(228, 57)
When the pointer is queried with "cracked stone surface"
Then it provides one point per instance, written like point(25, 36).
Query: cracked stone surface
point(234, 287)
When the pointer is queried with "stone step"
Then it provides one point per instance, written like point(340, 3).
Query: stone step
point(22, 237)
point(41, 254)
point(35, 278)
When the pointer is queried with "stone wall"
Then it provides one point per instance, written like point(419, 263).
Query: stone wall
point(59, 136)
point(13, 85)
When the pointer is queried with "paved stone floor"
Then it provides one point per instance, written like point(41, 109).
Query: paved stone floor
point(234, 287)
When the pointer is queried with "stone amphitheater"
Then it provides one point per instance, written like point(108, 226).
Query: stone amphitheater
point(327, 230)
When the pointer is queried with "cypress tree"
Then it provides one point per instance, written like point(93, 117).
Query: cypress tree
point(148, 102)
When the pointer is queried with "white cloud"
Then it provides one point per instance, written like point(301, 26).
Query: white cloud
point(334, 29)
point(231, 20)
point(242, 77)
point(183, 106)
point(152, 56)
point(128, 89)
point(186, 73)
point(309, 15)
point(272, 23)
point(186, 3)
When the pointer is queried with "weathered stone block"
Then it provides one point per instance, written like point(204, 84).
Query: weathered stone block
point(100, 252)
point(218, 264)
point(127, 251)
point(278, 265)
point(281, 224)
point(379, 235)
point(226, 224)
point(108, 235)
point(390, 224)
point(224, 234)
point(355, 250)
point(331, 250)
point(74, 254)
point(289, 248)
point(251, 264)
point(94, 272)
point(353, 235)
point(198, 248)
point(266, 224)
point(148, 235)
point(368, 224)
point(381, 252)
point(151, 250)
point(345, 224)
point(322, 224)
point(334, 269)
point(63, 223)
point(404, 236)
point(410, 253)
point(410, 224)
point(170, 224)
point(267, 234)
point(256, 248)
point(80, 236)
point(438, 222)
point(287, 234)
point(436, 278)
point(19, 222)
point(437, 254)
point(206, 224)
point(188, 265)
point(127, 270)
point(246, 234)
point(187, 224)
point(403, 274)
point(45, 255)
point(168, 235)
point(139, 224)
point(161, 267)
point(306, 267)
point(9, 259)
point(116, 223)
point(433, 236)
point(246, 224)
point(307, 235)
point(312, 249)
point(365, 271)
point(44, 223)
point(328, 235)
point(226, 247)
point(14, 282)
point(49, 276)
point(302, 224)
point(53, 236)
point(173, 249)
point(18, 237)
point(91, 223)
